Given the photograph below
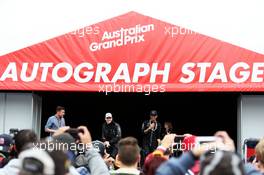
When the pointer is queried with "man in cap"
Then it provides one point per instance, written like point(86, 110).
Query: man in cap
point(100, 147)
point(111, 134)
point(6, 142)
point(151, 130)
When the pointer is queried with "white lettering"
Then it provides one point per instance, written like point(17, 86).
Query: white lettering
point(256, 72)
point(88, 75)
point(186, 70)
point(64, 78)
point(122, 73)
point(165, 73)
point(141, 69)
point(218, 73)
point(244, 75)
point(10, 72)
point(103, 69)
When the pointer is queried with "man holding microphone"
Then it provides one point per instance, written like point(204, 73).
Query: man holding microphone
point(151, 130)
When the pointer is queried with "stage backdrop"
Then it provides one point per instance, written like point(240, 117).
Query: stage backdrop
point(132, 53)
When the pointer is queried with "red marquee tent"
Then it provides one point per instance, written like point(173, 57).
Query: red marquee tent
point(132, 50)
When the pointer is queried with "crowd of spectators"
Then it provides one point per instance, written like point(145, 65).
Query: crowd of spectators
point(71, 151)
point(62, 154)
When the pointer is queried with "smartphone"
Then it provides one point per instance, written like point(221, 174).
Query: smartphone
point(176, 147)
point(179, 138)
point(205, 139)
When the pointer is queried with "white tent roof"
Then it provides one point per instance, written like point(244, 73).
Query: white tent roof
point(27, 22)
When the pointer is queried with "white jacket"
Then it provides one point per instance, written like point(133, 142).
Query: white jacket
point(12, 168)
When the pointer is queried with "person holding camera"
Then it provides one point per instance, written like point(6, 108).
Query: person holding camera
point(87, 159)
point(151, 130)
point(111, 134)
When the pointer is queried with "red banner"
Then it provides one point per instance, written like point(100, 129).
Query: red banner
point(132, 53)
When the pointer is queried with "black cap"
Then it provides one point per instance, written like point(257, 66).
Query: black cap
point(99, 146)
point(153, 113)
point(6, 142)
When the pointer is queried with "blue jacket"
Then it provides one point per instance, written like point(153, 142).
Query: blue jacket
point(250, 170)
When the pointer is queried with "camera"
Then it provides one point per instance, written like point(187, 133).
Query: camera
point(181, 144)
point(176, 147)
point(13, 132)
point(205, 139)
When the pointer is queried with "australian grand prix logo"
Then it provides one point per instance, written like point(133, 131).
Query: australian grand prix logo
point(121, 37)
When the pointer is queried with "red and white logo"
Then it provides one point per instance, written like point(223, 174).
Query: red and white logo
point(121, 37)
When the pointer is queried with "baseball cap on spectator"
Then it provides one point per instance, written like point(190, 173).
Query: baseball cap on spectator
point(36, 161)
point(153, 161)
point(153, 113)
point(99, 146)
point(6, 142)
point(156, 153)
point(188, 143)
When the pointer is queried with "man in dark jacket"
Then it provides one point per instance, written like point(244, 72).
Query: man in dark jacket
point(151, 130)
point(111, 134)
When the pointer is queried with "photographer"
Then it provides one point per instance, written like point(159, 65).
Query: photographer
point(90, 159)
